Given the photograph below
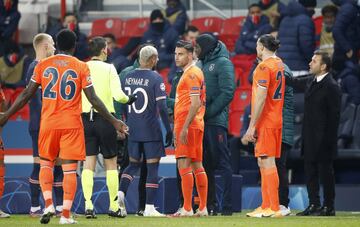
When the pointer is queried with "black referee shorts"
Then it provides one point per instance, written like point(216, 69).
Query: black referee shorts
point(100, 136)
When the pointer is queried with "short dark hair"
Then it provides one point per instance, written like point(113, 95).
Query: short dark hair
point(96, 44)
point(325, 59)
point(269, 42)
point(66, 40)
point(329, 9)
point(69, 14)
point(191, 28)
point(186, 45)
point(110, 36)
point(254, 5)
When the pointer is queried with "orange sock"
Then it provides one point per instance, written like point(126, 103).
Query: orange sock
point(187, 184)
point(272, 181)
point(69, 186)
point(46, 178)
point(201, 186)
point(2, 175)
point(264, 191)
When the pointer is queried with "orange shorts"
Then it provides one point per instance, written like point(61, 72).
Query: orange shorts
point(68, 144)
point(268, 142)
point(193, 149)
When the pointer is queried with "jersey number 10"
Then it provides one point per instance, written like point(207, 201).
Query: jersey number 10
point(133, 106)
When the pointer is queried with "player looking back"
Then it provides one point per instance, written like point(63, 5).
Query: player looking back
point(145, 139)
point(189, 129)
point(265, 129)
point(61, 77)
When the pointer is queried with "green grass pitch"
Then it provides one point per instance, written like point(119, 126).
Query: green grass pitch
point(345, 219)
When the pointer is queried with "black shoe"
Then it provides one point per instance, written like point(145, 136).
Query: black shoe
point(226, 213)
point(212, 212)
point(327, 211)
point(311, 210)
point(140, 213)
point(116, 214)
point(45, 218)
point(90, 214)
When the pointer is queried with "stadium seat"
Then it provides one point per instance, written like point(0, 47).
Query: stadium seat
point(107, 25)
point(244, 61)
point(23, 113)
point(318, 24)
point(235, 122)
point(356, 130)
point(242, 98)
point(230, 31)
point(134, 27)
point(208, 24)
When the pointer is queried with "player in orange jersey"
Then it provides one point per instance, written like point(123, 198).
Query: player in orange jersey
point(2, 155)
point(189, 129)
point(265, 129)
point(62, 77)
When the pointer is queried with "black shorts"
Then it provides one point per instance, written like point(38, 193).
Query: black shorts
point(100, 136)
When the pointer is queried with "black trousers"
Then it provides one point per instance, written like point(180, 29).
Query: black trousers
point(283, 175)
point(317, 172)
point(217, 156)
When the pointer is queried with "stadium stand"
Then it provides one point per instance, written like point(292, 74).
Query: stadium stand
point(208, 24)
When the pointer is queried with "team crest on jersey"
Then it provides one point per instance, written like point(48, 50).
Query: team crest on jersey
point(88, 79)
point(211, 67)
point(162, 86)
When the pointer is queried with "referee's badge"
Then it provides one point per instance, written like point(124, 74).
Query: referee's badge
point(211, 67)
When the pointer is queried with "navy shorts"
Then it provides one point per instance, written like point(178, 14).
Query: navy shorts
point(35, 146)
point(148, 150)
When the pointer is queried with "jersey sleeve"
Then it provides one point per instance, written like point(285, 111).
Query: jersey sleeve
point(194, 83)
point(85, 76)
point(115, 86)
point(262, 76)
point(160, 92)
point(36, 77)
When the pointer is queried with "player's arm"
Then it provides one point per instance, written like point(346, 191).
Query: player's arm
point(194, 108)
point(258, 104)
point(116, 90)
point(100, 107)
point(20, 101)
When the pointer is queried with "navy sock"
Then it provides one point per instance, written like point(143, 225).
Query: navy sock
point(128, 176)
point(35, 189)
point(151, 182)
point(58, 187)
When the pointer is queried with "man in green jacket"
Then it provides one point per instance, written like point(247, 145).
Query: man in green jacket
point(220, 86)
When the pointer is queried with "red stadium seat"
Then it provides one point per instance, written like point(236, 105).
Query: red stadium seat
point(208, 24)
point(107, 25)
point(241, 78)
point(134, 27)
point(242, 98)
point(23, 113)
point(235, 122)
point(230, 31)
point(244, 61)
point(318, 24)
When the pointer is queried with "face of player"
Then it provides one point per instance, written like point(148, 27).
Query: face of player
point(191, 36)
point(154, 60)
point(259, 49)
point(111, 44)
point(316, 66)
point(182, 57)
point(49, 46)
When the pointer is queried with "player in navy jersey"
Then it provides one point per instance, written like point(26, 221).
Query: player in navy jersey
point(145, 140)
point(44, 47)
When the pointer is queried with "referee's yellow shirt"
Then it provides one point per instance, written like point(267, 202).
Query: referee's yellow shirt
point(107, 85)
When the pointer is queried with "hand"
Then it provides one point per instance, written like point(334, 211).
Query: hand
point(120, 136)
point(121, 127)
point(168, 139)
point(244, 141)
point(349, 54)
point(250, 135)
point(132, 99)
point(183, 136)
point(3, 118)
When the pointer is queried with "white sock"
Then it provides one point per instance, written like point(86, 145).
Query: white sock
point(149, 207)
point(33, 209)
point(121, 196)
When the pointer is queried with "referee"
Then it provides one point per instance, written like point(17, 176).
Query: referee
point(100, 135)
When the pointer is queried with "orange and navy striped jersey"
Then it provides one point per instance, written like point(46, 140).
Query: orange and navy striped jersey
point(191, 83)
point(269, 75)
point(62, 78)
